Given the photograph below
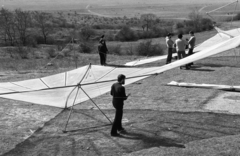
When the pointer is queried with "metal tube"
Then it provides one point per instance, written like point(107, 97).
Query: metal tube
point(96, 105)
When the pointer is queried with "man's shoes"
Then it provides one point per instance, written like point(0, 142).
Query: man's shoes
point(122, 131)
point(115, 135)
point(187, 67)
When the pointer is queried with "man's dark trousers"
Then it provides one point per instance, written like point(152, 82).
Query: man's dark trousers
point(117, 123)
point(169, 57)
point(102, 58)
point(190, 52)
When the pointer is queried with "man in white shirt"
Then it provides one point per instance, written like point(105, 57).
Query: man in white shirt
point(180, 47)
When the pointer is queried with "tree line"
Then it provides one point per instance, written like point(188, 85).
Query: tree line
point(30, 28)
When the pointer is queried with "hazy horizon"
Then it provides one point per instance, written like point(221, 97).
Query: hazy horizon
point(76, 4)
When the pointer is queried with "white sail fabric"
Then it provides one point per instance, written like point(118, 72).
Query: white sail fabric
point(60, 90)
point(221, 36)
point(207, 86)
point(54, 90)
point(147, 60)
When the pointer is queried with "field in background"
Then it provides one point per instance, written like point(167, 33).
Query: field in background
point(178, 9)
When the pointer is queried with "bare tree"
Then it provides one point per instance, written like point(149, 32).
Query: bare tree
point(22, 23)
point(44, 22)
point(147, 20)
point(8, 30)
point(196, 17)
point(86, 33)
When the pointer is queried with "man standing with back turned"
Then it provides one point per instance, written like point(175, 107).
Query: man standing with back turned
point(180, 46)
point(119, 95)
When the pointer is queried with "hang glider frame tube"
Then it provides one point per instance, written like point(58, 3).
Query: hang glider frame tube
point(78, 86)
point(153, 74)
point(221, 7)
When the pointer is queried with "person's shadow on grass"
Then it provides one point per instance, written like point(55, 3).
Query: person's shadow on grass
point(151, 141)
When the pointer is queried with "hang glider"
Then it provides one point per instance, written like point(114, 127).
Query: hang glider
point(73, 87)
point(60, 90)
point(207, 86)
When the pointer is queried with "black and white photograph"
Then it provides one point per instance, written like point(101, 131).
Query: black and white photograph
point(119, 78)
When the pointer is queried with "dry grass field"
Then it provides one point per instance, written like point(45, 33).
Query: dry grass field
point(160, 119)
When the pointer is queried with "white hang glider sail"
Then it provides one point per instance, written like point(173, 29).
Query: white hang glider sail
point(147, 60)
point(221, 36)
point(207, 86)
point(61, 90)
point(70, 88)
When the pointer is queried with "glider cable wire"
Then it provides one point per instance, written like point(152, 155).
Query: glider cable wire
point(231, 22)
point(93, 100)
point(77, 86)
point(70, 43)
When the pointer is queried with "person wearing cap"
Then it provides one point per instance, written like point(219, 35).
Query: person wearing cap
point(169, 43)
point(191, 45)
point(180, 47)
point(119, 96)
point(102, 49)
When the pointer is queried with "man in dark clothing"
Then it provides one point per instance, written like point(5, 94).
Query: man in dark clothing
point(119, 95)
point(191, 43)
point(102, 49)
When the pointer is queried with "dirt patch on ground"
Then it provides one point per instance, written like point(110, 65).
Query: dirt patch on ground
point(226, 102)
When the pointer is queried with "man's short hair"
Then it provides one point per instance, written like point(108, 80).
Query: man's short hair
point(121, 77)
point(180, 35)
point(191, 32)
point(169, 34)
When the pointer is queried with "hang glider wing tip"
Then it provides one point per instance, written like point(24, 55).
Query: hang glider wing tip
point(206, 86)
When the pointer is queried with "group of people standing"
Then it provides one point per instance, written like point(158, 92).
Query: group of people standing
point(180, 45)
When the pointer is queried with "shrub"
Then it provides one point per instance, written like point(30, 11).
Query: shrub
point(145, 34)
point(31, 41)
point(66, 52)
point(159, 32)
point(148, 49)
point(130, 50)
point(237, 17)
point(23, 53)
point(126, 34)
point(116, 49)
point(51, 52)
point(206, 24)
point(85, 47)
